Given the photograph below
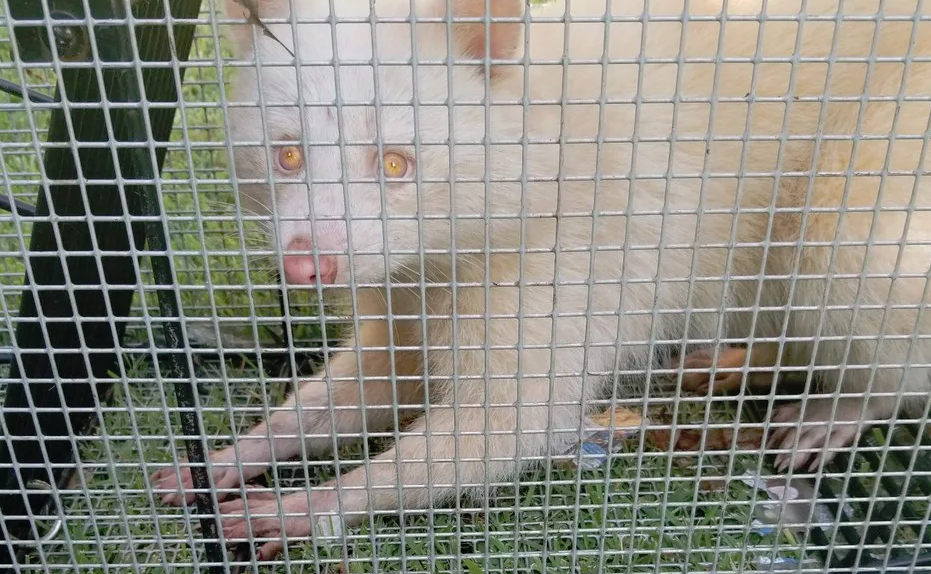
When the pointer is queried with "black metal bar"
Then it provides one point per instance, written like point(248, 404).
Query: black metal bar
point(922, 566)
point(922, 464)
point(829, 498)
point(175, 365)
point(16, 206)
point(23, 92)
point(58, 375)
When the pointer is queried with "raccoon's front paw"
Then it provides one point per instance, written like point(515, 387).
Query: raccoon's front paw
point(728, 358)
point(168, 479)
point(299, 515)
point(824, 427)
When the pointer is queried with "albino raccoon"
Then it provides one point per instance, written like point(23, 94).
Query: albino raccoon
point(615, 249)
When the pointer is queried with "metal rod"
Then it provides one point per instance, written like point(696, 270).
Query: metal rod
point(15, 89)
point(22, 208)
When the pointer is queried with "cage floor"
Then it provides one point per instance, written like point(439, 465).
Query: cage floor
point(646, 511)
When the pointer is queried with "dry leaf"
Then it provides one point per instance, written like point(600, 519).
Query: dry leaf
point(750, 439)
point(252, 8)
point(623, 418)
point(659, 439)
point(715, 484)
point(690, 440)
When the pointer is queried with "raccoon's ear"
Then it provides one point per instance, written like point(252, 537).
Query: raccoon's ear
point(472, 38)
point(250, 10)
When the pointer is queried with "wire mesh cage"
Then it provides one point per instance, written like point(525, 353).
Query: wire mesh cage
point(572, 286)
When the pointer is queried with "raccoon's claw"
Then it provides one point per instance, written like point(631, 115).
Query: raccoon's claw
point(181, 492)
point(823, 431)
point(293, 520)
point(728, 358)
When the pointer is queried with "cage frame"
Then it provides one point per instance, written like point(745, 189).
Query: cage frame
point(45, 240)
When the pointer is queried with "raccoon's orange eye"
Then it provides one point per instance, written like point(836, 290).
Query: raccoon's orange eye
point(290, 158)
point(395, 165)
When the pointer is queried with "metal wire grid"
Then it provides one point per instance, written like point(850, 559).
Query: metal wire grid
point(206, 165)
point(649, 512)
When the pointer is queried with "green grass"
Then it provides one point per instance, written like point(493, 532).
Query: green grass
point(643, 512)
point(626, 517)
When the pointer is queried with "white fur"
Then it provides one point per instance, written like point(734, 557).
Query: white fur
point(646, 232)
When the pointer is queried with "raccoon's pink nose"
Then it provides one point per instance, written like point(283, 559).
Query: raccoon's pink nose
point(300, 269)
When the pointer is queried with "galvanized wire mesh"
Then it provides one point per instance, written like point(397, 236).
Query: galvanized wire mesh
point(692, 489)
